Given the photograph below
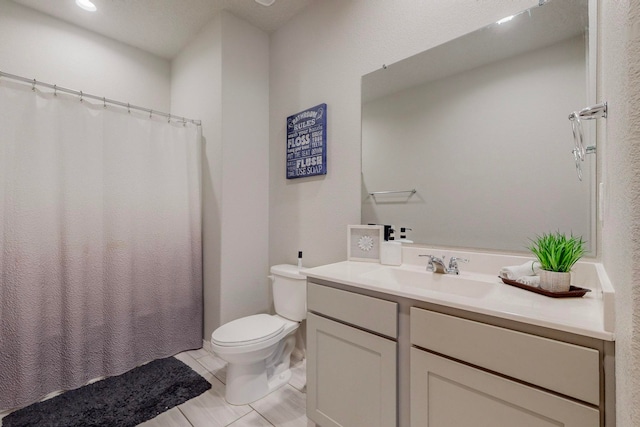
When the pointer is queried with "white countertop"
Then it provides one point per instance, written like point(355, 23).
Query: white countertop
point(583, 316)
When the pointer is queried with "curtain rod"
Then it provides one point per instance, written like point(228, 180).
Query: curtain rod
point(104, 100)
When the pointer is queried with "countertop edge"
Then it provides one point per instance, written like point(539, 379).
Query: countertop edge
point(601, 334)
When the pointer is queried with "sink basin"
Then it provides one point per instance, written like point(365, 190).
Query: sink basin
point(467, 285)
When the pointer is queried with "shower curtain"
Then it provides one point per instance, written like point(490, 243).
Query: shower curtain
point(100, 256)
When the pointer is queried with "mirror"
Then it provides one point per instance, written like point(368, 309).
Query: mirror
point(479, 128)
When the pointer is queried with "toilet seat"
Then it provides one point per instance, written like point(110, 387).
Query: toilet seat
point(248, 331)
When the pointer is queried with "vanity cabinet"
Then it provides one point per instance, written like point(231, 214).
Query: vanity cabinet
point(351, 359)
point(376, 359)
point(470, 374)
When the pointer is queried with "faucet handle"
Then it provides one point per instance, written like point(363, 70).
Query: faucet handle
point(431, 257)
point(453, 264)
point(430, 266)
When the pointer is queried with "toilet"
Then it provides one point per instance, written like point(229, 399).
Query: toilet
point(258, 348)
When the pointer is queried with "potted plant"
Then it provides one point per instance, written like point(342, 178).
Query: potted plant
point(557, 253)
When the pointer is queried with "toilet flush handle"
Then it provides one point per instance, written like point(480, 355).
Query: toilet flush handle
point(270, 277)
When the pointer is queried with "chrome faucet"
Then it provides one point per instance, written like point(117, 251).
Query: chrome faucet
point(436, 265)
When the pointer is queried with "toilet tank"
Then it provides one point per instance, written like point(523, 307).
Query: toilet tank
point(289, 292)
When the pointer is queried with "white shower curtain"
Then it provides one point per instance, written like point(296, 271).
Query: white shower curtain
point(100, 256)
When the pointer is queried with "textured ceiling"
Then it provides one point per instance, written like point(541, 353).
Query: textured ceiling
point(163, 27)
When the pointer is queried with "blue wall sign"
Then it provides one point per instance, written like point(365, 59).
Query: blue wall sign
point(307, 143)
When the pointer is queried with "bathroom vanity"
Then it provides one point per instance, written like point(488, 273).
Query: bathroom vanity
point(448, 140)
point(391, 346)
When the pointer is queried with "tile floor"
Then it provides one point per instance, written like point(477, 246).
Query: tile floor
point(284, 407)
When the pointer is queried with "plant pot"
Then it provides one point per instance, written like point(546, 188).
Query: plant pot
point(555, 281)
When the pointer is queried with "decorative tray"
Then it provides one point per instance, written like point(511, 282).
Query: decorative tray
point(573, 292)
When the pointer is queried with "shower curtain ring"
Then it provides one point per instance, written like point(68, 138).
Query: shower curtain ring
point(169, 119)
point(81, 95)
point(128, 108)
point(104, 102)
point(33, 86)
point(55, 90)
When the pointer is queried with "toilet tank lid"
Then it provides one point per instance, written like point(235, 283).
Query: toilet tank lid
point(288, 270)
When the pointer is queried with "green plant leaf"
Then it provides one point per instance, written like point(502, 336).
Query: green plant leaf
point(556, 251)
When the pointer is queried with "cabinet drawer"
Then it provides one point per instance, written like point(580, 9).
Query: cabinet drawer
point(565, 368)
point(370, 313)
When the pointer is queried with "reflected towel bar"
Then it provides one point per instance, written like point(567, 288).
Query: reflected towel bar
point(375, 193)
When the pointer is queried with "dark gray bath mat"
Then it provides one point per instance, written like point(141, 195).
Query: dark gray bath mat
point(126, 400)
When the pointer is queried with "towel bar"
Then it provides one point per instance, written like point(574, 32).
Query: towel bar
point(375, 193)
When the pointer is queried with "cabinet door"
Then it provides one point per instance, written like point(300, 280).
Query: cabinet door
point(445, 393)
point(351, 376)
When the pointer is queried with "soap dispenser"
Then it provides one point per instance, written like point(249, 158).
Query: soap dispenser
point(403, 235)
point(390, 250)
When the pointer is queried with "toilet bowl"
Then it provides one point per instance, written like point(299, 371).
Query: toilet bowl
point(258, 348)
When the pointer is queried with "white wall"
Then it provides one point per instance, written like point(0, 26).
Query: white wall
point(491, 166)
point(320, 56)
point(196, 89)
point(37, 46)
point(245, 180)
point(620, 86)
point(222, 77)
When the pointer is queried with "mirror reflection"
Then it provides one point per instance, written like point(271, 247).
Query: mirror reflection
point(479, 128)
